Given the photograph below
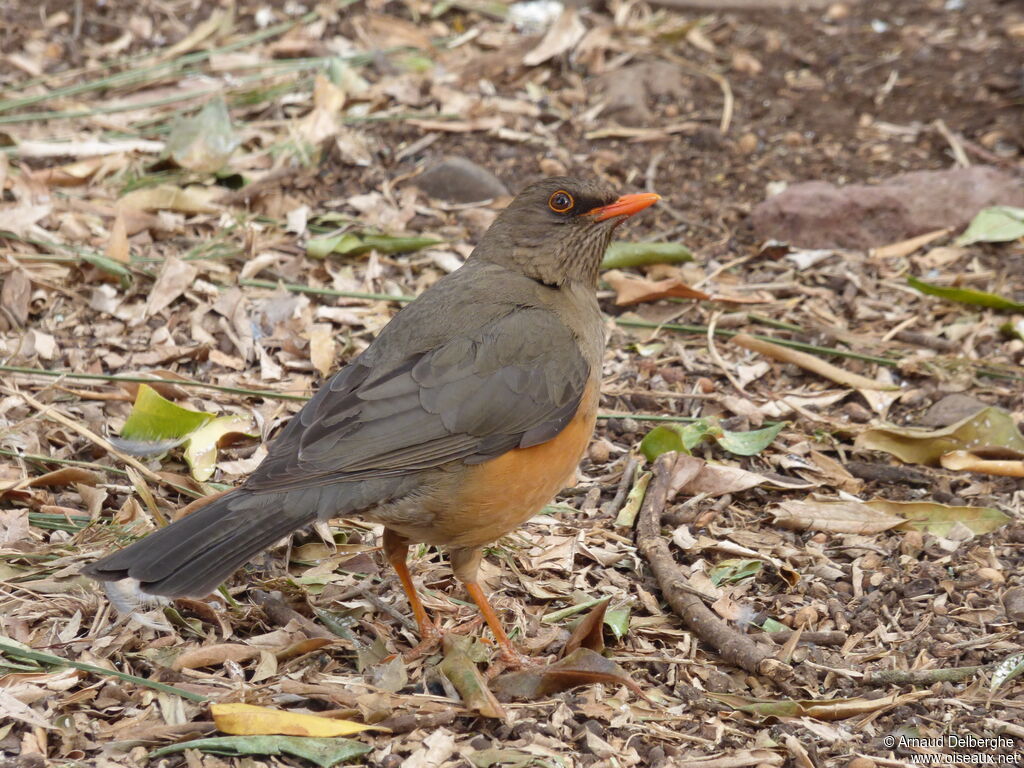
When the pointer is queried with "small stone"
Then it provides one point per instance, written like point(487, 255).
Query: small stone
point(912, 543)
point(747, 143)
point(599, 452)
point(1013, 604)
point(992, 575)
point(707, 386)
point(459, 180)
point(861, 762)
point(856, 413)
point(792, 139)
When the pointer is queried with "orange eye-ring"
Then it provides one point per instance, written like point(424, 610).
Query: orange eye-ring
point(561, 201)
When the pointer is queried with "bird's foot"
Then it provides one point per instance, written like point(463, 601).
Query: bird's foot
point(430, 640)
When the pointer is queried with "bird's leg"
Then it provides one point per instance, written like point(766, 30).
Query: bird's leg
point(396, 549)
point(465, 563)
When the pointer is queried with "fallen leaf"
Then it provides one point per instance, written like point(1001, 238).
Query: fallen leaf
point(215, 655)
point(166, 197)
point(156, 418)
point(352, 244)
point(322, 349)
point(684, 438)
point(205, 141)
point(998, 224)
point(582, 667)
point(837, 516)
point(201, 448)
point(823, 709)
point(561, 36)
point(176, 276)
point(250, 720)
point(459, 667)
point(990, 429)
point(966, 296)
point(323, 752)
point(589, 630)
point(909, 246)
point(631, 289)
point(938, 519)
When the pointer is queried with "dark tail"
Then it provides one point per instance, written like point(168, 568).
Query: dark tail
point(192, 556)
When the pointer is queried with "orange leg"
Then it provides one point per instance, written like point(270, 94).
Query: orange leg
point(465, 563)
point(396, 549)
point(509, 655)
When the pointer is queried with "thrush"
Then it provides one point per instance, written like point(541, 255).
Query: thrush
point(465, 416)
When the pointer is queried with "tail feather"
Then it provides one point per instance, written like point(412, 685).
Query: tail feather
point(192, 556)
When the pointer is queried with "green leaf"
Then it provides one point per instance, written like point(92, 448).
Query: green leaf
point(750, 443)
point(734, 570)
point(154, 417)
point(966, 296)
point(352, 244)
point(661, 440)
point(989, 428)
point(323, 752)
point(617, 620)
point(998, 224)
point(622, 254)
point(684, 439)
point(693, 434)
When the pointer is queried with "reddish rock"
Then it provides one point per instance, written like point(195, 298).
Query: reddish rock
point(816, 214)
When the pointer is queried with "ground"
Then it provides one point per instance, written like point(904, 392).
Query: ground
point(143, 259)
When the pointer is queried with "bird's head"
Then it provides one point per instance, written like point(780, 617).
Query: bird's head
point(556, 231)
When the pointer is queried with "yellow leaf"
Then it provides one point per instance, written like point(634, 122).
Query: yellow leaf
point(249, 720)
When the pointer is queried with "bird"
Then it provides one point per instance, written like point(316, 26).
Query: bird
point(466, 415)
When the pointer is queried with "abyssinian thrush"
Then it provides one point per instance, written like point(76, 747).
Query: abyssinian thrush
point(462, 419)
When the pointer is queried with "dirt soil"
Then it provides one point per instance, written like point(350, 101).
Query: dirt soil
point(120, 261)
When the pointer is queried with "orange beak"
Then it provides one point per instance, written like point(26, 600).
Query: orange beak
point(626, 205)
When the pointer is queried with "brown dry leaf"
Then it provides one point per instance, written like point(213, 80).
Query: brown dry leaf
point(589, 631)
point(691, 476)
point(567, 30)
point(323, 350)
point(21, 219)
point(167, 197)
point(906, 247)
point(582, 667)
point(809, 363)
point(828, 709)
point(174, 279)
point(117, 245)
point(15, 295)
point(631, 289)
point(249, 720)
point(66, 476)
point(215, 655)
point(838, 516)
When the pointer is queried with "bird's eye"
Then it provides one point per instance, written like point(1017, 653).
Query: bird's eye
point(560, 202)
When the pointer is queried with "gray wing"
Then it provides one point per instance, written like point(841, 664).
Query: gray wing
point(512, 383)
